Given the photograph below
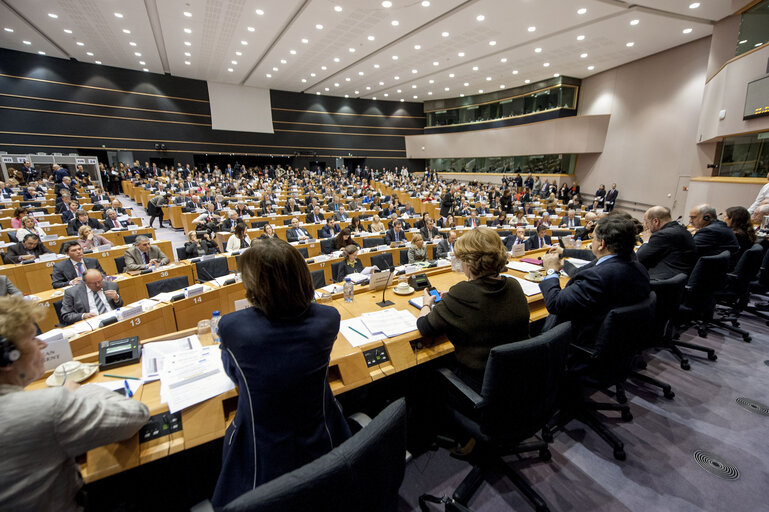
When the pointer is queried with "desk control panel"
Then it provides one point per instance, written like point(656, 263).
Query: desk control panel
point(375, 356)
point(160, 425)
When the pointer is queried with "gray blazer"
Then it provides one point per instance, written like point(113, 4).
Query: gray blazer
point(45, 429)
point(75, 302)
point(64, 271)
point(7, 287)
point(135, 261)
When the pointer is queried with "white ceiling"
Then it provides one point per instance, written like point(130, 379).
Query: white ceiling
point(326, 64)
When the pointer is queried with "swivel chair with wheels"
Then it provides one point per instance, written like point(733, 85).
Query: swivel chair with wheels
point(733, 300)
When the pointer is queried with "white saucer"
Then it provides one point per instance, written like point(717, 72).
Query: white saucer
point(407, 292)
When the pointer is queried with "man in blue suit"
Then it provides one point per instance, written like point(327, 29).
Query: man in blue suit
point(538, 240)
point(614, 279)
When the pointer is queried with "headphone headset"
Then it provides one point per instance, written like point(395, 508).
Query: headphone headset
point(8, 352)
point(706, 218)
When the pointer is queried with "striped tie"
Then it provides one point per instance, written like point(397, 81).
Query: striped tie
point(100, 306)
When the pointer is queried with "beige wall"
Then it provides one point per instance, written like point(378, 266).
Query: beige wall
point(723, 42)
point(721, 195)
point(651, 144)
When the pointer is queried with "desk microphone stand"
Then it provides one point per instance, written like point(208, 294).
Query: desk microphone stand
point(386, 303)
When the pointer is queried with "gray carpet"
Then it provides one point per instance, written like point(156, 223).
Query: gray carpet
point(176, 237)
point(660, 473)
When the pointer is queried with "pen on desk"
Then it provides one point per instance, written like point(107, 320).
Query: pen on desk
point(356, 331)
point(120, 377)
point(128, 391)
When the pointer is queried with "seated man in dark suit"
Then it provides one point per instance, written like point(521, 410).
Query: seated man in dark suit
point(396, 233)
point(30, 194)
point(92, 297)
point(539, 240)
point(669, 248)
point(291, 207)
point(517, 238)
point(70, 271)
point(570, 220)
point(231, 222)
point(314, 217)
point(69, 214)
point(429, 231)
point(112, 222)
point(82, 219)
point(446, 245)
point(712, 236)
point(473, 221)
point(99, 195)
point(330, 229)
point(29, 248)
point(613, 280)
point(586, 232)
point(341, 215)
point(144, 255)
point(296, 233)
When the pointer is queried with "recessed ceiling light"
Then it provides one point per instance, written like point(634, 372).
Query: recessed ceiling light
point(318, 93)
point(537, 50)
point(79, 43)
point(634, 22)
point(305, 41)
point(312, 75)
point(125, 31)
point(230, 70)
point(503, 60)
point(351, 50)
point(387, 4)
point(396, 77)
point(374, 98)
point(274, 68)
point(189, 30)
point(244, 43)
point(395, 57)
point(132, 43)
point(480, 91)
point(445, 34)
point(488, 78)
point(431, 81)
point(501, 86)
point(376, 66)
point(436, 63)
point(357, 92)
point(347, 79)
point(52, 15)
point(429, 93)
point(515, 71)
point(336, 59)
point(480, 17)
point(402, 100)
point(304, 80)
point(97, 61)
point(118, 14)
point(250, 29)
point(461, 95)
point(687, 31)
point(461, 54)
point(446, 89)
point(532, 29)
point(326, 89)
point(694, 5)
point(66, 31)
point(425, 3)
point(371, 38)
point(187, 62)
point(581, 11)
point(11, 30)
point(145, 70)
point(546, 64)
point(757, 45)
point(590, 68)
point(238, 53)
point(466, 84)
point(475, 68)
point(414, 71)
point(399, 91)
point(90, 54)
point(415, 97)
point(346, 95)
point(138, 54)
point(260, 12)
point(492, 43)
point(234, 62)
point(142, 63)
point(336, 84)
point(417, 46)
point(323, 68)
point(43, 53)
point(368, 87)
point(395, 23)
point(381, 83)
point(527, 81)
point(187, 54)
point(283, 61)
point(580, 38)
point(338, 8)
point(583, 55)
point(268, 75)
point(319, 26)
point(413, 86)
point(292, 52)
point(451, 75)
point(187, 14)
point(631, 43)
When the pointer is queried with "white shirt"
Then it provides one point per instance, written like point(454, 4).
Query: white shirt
point(92, 303)
point(763, 195)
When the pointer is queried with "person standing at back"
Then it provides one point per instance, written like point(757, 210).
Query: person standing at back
point(277, 352)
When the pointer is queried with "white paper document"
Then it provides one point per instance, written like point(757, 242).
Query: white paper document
point(390, 322)
point(357, 278)
point(522, 266)
point(153, 354)
point(356, 332)
point(116, 384)
point(577, 262)
point(192, 377)
point(529, 288)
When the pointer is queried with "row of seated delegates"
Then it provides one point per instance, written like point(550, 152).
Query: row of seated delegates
point(69, 272)
point(90, 297)
point(277, 351)
point(28, 248)
point(43, 430)
point(199, 246)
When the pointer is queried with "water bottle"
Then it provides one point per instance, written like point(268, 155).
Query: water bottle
point(215, 317)
point(578, 243)
point(348, 290)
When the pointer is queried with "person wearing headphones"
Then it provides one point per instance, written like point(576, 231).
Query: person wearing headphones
point(43, 430)
point(712, 236)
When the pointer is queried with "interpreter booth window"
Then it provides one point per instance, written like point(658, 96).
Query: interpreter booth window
point(745, 156)
point(754, 27)
point(535, 164)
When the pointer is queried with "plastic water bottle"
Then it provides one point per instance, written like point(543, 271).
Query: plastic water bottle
point(348, 290)
point(578, 243)
point(215, 317)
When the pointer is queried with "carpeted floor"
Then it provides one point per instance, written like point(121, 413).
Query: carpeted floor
point(176, 237)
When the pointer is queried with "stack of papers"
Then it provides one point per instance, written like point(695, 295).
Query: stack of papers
point(523, 266)
point(390, 322)
point(529, 288)
point(153, 354)
point(356, 332)
point(192, 376)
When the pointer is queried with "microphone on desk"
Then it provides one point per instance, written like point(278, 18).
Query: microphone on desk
point(384, 302)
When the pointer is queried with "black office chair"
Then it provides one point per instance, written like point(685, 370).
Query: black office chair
point(699, 302)
point(335, 270)
point(181, 253)
point(733, 300)
point(606, 364)
point(120, 264)
point(167, 285)
point(211, 269)
point(259, 224)
point(328, 245)
point(287, 222)
point(304, 252)
point(504, 233)
point(318, 278)
point(57, 307)
point(561, 232)
point(520, 393)
point(382, 261)
point(363, 473)
point(371, 241)
point(760, 286)
point(404, 256)
point(12, 237)
point(129, 239)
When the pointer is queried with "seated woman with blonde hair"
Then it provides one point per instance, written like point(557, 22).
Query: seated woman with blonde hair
point(89, 241)
point(417, 251)
point(29, 227)
point(376, 225)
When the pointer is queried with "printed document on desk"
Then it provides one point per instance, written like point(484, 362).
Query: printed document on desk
point(522, 266)
point(192, 377)
point(529, 288)
point(356, 332)
point(390, 322)
point(153, 354)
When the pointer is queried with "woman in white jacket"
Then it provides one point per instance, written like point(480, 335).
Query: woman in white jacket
point(239, 239)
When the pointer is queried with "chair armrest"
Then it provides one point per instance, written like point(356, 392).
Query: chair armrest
point(591, 353)
point(463, 389)
point(731, 276)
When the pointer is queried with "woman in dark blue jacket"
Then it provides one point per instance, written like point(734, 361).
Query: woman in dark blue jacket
point(277, 352)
